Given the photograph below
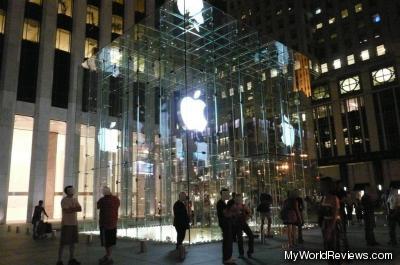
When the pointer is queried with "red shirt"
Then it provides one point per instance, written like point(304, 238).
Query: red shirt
point(108, 206)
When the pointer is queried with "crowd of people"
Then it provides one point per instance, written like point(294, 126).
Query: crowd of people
point(335, 208)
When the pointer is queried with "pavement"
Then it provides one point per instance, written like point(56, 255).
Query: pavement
point(20, 249)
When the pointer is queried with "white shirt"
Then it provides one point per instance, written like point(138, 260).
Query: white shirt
point(69, 218)
point(394, 201)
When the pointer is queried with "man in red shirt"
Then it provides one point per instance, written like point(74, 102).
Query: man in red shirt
point(108, 218)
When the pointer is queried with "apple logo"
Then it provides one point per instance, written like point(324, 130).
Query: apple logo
point(194, 9)
point(192, 112)
point(287, 132)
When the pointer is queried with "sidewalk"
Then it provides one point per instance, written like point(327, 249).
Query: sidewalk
point(20, 249)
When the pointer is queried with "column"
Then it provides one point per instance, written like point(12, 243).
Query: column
point(8, 94)
point(37, 184)
point(337, 117)
point(129, 14)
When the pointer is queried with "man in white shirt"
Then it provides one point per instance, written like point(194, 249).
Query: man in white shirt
point(394, 214)
point(69, 225)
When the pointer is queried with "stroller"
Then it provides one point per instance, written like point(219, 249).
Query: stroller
point(42, 229)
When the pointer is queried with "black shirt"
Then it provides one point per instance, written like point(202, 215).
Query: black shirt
point(181, 217)
point(264, 207)
point(221, 206)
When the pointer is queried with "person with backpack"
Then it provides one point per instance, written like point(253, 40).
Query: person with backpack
point(291, 217)
point(264, 208)
point(37, 218)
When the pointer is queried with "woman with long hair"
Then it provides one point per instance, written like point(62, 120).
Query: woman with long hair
point(291, 217)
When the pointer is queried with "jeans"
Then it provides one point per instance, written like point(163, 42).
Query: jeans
point(227, 240)
point(239, 235)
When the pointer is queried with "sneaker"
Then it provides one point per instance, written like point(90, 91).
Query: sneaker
point(59, 263)
point(73, 262)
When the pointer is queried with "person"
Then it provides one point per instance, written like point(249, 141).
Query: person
point(394, 215)
point(108, 218)
point(37, 217)
point(225, 223)
point(264, 208)
point(69, 225)
point(349, 208)
point(329, 215)
point(244, 213)
point(342, 225)
point(291, 217)
point(359, 211)
point(300, 224)
point(368, 202)
point(181, 219)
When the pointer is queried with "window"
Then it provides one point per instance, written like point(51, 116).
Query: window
point(318, 11)
point(119, 1)
point(65, 7)
point(376, 18)
point(350, 84)
point(358, 8)
point(117, 25)
point(364, 55)
point(31, 30)
point(274, 73)
point(63, 40)
point(92, 15)
point(350, 59)
point(331, 20)
point(90, 47)
point(2, 21)
point(319, 26)
point(321, 92)
point(344, 13)
point(324, 68)
point(333, 36)
point(380, 50)
point(337, 64)
point(37, 2)
point(384, 75)
point(351, 104)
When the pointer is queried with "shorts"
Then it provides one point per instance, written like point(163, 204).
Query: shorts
point(108, 237)
point(69, 234)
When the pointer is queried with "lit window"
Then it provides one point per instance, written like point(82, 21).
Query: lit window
point(324, 68)
point(321, 92)
point(249, 85)
point(90, 47)
point(353, 105)
point(65, 7)
point(380, 50)
point(2, 21)
point(384, 75)
point(63, 40)
point(350, 84)
point(243, 17)
point(318, 11)
point(358, 8)
point(38, 2)
point(376, 18)
point(139, 5)
point(350, 59)
point(31, 30)
point(117, 25)
point(337, 64)
point(119, 1)
point(92, 15)
point(332, 20)
point(274, 73)
point(365, 55)
point(333, 36)
point(279, 12)
point(319, 26)
point(344, 13)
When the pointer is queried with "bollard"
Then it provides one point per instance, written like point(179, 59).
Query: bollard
point(27, 231)
point(89, 239)
point(143, 247)
point(9, 228)
point(17, 230)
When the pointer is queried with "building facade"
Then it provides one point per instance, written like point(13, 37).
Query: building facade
point(354, 51)
point(43, 44)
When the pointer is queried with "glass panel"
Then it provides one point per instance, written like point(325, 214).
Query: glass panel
point(21, 154)
point(17, 207)
point(63, 40)
point(65, 7)
point(31, 30)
